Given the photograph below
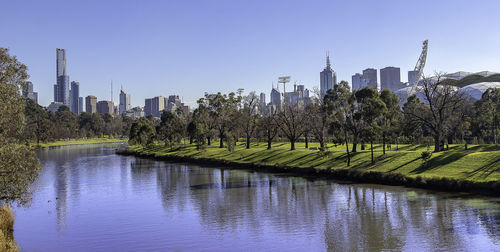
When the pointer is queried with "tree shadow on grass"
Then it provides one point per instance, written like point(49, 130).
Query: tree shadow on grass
point(438, 161)
point(485, 170)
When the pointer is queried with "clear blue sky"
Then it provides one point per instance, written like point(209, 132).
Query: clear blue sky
point(191, 47)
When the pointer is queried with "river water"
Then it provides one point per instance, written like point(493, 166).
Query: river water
point(89, 199)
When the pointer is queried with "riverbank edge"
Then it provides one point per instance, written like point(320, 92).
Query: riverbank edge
point(491, 188)
point(62, 143)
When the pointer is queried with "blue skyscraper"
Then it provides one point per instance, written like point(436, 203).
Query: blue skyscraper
point(75, 97)
point(61, 89)
point(328, 78)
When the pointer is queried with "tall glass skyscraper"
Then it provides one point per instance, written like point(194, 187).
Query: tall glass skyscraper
point(61, 89)
point(124, 102)
point(75, 97)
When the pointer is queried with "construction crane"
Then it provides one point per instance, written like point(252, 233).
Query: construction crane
point(419, 68)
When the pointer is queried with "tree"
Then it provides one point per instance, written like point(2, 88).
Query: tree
point(249, 116)
point(142, 132)
point(390, 117)
point(339, 103)
point(371, 108)
point(442, 106)
point(19, 166)
point(488, 112)
point(318, 121)
point(267, 124)
point(221, 108)
point(291, 122)
point(171, 128)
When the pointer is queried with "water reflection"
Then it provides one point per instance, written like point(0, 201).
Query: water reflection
point(106, 202)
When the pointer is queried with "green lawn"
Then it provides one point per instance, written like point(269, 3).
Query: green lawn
point(478, 164)
point(79, 141)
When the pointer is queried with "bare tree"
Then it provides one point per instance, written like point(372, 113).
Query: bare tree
point(249, 116)
point(268, 124)
point(442, 106)
point(291, 122)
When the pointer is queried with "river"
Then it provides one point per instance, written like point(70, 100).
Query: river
point(89, 199)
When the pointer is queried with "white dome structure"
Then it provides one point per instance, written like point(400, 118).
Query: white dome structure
point(475, 91)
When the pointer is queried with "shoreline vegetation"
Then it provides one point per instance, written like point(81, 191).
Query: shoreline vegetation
point(79, 141)
point(475, 170)
point(7, 230)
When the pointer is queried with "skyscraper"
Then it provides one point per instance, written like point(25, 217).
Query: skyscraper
point(61, 89)
point(75, 97)
point(356, 81)
point(275, 97)
point(105, 107)
point(28, 92)
point(148, 106)
point(263, 99)
point(157, 105)
point(370, 77)
point(390, 78)
point(91, 104)
point(124, 102)
point(328, 78)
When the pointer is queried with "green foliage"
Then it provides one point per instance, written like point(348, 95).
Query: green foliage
point(426, 155)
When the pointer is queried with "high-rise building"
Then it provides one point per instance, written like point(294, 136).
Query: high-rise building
point(61, 88)
point(262, 99)
point(275, 97)
point(105, 107)
point(148, 107)
point(91, 104)
point(369, 78)
point(390, 78)
point(80, 104)
point(75, 97)
point(28, 92)
point(157, 105)
point(124, 102)
point(356, 81)
point(328, 78)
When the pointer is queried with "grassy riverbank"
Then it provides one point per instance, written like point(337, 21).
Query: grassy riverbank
point(78, 141)
point(468, 170)
point(7, 230)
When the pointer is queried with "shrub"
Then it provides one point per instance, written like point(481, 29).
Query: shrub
point(426, 155)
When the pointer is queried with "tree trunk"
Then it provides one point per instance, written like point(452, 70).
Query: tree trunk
point(347, 149)
point(269, 144)
point(209, 142)
point(292, 144)
point(371, 147)
point(383, 142)
point(221, 144)
point(307, 142)
point(437, 143)
point(248, 142)
point(495, 135)
point(355, 144)
point(190, 140)
point(322, 144)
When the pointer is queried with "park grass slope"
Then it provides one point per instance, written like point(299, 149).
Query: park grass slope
point(474, 170)
point(77, 142)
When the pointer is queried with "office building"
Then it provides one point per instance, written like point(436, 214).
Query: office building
point(262, 99)
point(356, 81)
point(157, 105)
point(80, 104)
point(124, 102)
point(105, 107)
point(390, 78)
point(28, 92)
point(91, 104)
point(148, 107)
point(75, 98)
point(61, 88)
point(369, 78)
point(275, 97)
point(328, 78)
point(411, 76)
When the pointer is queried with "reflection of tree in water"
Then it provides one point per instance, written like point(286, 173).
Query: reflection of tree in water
point(351, 217)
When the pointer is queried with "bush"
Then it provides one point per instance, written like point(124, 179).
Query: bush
point(426, 155)
point(7, 230)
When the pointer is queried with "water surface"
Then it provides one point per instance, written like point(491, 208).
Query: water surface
point(89, 199)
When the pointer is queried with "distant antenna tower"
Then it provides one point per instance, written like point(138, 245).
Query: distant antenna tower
point(284, 80)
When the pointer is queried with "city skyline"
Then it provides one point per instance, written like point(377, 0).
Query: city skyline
point(244, 48)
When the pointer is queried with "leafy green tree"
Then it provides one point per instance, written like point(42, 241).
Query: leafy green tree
point(222, 108)
point(391, 117)
point(19, 166)
point(171, 128)
point(488, 112)
point(371, 108)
